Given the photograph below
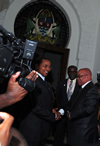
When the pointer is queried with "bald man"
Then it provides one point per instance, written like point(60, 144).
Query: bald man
point(82, 128)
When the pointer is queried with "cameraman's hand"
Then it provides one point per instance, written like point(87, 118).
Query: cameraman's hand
point(5, 128)
point(15, 90)
point(33, 75)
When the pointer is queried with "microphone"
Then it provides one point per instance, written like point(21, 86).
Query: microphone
point(7, 34)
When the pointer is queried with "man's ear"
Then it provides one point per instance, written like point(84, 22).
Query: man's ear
point(88, 77)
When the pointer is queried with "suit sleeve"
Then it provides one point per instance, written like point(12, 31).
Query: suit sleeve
point(42, 108)
point(88, 106)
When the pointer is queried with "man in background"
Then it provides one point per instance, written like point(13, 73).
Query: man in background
point(66, 95)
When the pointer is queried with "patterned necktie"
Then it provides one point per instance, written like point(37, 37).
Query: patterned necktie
point(70, 90)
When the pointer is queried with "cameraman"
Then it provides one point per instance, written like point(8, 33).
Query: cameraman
point(13, 94)
point(14, 91)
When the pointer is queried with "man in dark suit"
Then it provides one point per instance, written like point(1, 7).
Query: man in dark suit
point(65, 99)
point(82, 128)
point(36, 126)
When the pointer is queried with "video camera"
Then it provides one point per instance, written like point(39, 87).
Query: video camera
point(16, 55)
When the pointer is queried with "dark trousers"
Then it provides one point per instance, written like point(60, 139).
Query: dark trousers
point(94, 144)
point(61, 128)
point(37, 143)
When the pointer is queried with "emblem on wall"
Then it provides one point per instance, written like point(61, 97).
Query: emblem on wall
point(43, 27)
point(42, 21)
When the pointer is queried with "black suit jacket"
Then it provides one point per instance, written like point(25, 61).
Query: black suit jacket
point(37, 124)
point(64, 104)
point(83, 124)
point(62, 95)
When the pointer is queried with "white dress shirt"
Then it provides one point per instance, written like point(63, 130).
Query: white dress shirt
point(68, 82)
point(85, 84)
point(43, 78)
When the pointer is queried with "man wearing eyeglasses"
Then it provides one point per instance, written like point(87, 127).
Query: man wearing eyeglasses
point(82, 128)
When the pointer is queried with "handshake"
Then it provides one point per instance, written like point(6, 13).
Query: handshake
point(58, 114)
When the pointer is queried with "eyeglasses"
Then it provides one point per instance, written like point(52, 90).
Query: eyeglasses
point(45, 66)
point(80, 76)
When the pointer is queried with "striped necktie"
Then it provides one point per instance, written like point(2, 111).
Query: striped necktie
point(70, 90)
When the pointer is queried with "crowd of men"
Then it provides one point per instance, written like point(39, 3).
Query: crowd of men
point(75, 114)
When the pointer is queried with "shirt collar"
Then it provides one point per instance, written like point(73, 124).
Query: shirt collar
point(71, 80)
point(43, 78)
point(85, 84)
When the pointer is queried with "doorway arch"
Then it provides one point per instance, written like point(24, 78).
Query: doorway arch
point(68, 9)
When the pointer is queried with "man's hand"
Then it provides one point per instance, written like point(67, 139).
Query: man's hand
point(33, 75)
point(54, 110)
point(58, 114)
point(14, 91)
point(5, 128)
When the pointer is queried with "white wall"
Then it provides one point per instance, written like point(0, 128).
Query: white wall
point(88, 14)
point(97, 56)
point(84, 18)
point(96, 65)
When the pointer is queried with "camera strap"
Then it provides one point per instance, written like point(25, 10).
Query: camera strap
point(27, 84)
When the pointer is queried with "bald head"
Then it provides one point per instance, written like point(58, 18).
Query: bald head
point(17, 138)
point(84, 75)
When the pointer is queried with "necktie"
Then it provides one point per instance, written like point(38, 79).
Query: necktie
point(46, 82)
point(70, 90)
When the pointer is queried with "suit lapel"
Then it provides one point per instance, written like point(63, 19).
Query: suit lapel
point(76, 90)
point(48, 87)
point(81, 93)
point(43, 82)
